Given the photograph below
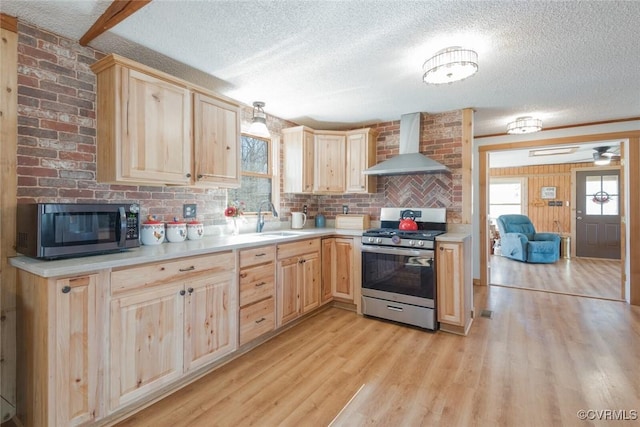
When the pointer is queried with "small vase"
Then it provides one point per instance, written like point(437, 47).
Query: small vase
point(235, 227)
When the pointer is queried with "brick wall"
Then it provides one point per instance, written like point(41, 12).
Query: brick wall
point(57, 147)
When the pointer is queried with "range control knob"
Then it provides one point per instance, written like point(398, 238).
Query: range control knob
point(395, 239)
point(378, 240)
point(420, 242)
point(412, 243)
point(370, 240)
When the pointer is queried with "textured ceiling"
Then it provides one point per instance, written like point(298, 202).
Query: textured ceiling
point(340, 64)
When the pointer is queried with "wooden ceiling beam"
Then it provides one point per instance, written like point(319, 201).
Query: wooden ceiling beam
point(116, 13)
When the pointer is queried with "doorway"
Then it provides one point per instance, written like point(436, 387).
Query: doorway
point(561, 277)
point(598, 214)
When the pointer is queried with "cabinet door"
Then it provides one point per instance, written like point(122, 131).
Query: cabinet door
point(298, 147)
point(76, 353)
point(147, 342)
point(216, 142)
point(156, 140)
point(449, 276)
point(328, 268)
point(329, 174)
point(211, 313)
point(343, 279)
point(288, 298)
point(310, 270)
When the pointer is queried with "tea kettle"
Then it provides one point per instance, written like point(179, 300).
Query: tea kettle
point(407, 222)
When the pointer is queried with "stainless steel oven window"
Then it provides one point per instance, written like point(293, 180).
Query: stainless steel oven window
point(399, 271)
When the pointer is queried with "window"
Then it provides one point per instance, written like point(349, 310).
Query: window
point(507, 196)
point(602, 195)
point(257, 179)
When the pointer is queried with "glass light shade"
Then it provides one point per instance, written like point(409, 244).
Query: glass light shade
point(600, 160)
point(259, 121)
point(450, 65)
point(524, 125)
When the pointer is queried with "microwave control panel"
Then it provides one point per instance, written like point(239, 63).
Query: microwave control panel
point(132, 226)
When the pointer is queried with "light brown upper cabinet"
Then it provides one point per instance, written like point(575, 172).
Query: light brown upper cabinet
point(156, 129)
point(298, 150)
point(329, 165)
point(326, 162)
point(216, 147)
point(361, 154)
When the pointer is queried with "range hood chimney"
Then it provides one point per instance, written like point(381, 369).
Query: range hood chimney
point(409, 161)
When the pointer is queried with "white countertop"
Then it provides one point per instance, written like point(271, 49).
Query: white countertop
point(452, 237)
point(167, 251)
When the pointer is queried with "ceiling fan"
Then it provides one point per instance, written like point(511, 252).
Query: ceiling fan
point(603, 155)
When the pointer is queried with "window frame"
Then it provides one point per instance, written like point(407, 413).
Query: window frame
point(272, 171)
point(524, 194)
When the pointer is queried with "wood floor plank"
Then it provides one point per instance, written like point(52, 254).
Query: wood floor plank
point(539, 359)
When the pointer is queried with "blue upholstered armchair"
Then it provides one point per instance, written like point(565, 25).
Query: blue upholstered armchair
point(519, 240)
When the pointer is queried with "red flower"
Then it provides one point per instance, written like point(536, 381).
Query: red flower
point(231, 211)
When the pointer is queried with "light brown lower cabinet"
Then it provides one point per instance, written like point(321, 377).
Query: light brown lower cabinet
point(162, 329)
point(60, 349)
point(257, 288)
point(337, 269)
point(298, 279)
point(455, 287)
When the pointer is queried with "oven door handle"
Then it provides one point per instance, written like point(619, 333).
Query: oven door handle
point(396, 251)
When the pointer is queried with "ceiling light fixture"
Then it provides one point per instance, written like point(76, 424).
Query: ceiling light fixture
point(524, 125)
point(259, 121)
point(450, 65)
point(600, 160)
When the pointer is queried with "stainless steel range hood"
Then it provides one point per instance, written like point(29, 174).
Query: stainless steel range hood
point(409, 160)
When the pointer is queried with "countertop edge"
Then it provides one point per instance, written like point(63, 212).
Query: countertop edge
point(164, 252)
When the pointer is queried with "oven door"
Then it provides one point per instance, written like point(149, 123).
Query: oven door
point(399, 274)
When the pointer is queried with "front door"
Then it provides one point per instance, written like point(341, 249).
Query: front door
point(598, 214)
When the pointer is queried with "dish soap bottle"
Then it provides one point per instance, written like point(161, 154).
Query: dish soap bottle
point(320, 221)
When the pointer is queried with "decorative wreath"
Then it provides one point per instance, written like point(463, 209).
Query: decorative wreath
point(601, 197)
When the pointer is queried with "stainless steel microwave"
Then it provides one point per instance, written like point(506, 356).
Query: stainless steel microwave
point(64, 230)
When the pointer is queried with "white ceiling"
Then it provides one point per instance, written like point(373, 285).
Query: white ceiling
point(341, 64)
point(583, 153)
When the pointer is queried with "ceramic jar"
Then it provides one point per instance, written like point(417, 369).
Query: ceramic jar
point(152, 232)
point(176, 231)
point(195, 230)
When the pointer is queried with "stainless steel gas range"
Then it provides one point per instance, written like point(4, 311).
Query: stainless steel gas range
point(399, 268)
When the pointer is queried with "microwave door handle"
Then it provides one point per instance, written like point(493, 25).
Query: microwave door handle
point(122, 228)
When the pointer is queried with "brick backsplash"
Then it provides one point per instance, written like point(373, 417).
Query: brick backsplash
point(57, 147)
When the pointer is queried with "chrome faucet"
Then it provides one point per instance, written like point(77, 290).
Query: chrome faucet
point(260, 223)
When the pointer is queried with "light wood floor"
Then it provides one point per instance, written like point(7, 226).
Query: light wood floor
point(536, 362)
point(599, 278)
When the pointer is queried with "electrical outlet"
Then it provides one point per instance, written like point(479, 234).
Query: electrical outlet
point(304, 209)
point(189, 210)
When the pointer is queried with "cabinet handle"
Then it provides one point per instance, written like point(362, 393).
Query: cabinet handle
point(260, 284)
point(260, 254)
point(243, 275)
point(188, 268)
point(182, 292)
point(261, 320)
point(393, 308)
point(66, 289)
point(441, 248)
point(199, 176)
point(188, 175)
point(190, 290)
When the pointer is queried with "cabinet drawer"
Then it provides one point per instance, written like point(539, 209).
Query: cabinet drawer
point(286, 250)
point(149, 275)
point(256, 283)
point(249, 257)
point(256, 319)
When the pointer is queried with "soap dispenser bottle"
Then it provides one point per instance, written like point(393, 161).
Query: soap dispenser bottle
point(320, 221)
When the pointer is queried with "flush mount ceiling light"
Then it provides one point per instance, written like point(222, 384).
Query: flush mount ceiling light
point(524, 125)
point(600, 160)
point(259, 121)
point(450, 65)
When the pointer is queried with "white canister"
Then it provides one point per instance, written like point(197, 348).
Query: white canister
point(152, 232)
point(298, 219)
point(195, 230)
point(176, 232)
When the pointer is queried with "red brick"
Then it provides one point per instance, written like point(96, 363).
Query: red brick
point(27, 181)
point(64, 127)
point(57, 88)
point(28, 81)
point(37, 192)
point(72, 155)
point(36, 53)
point(76, 193)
